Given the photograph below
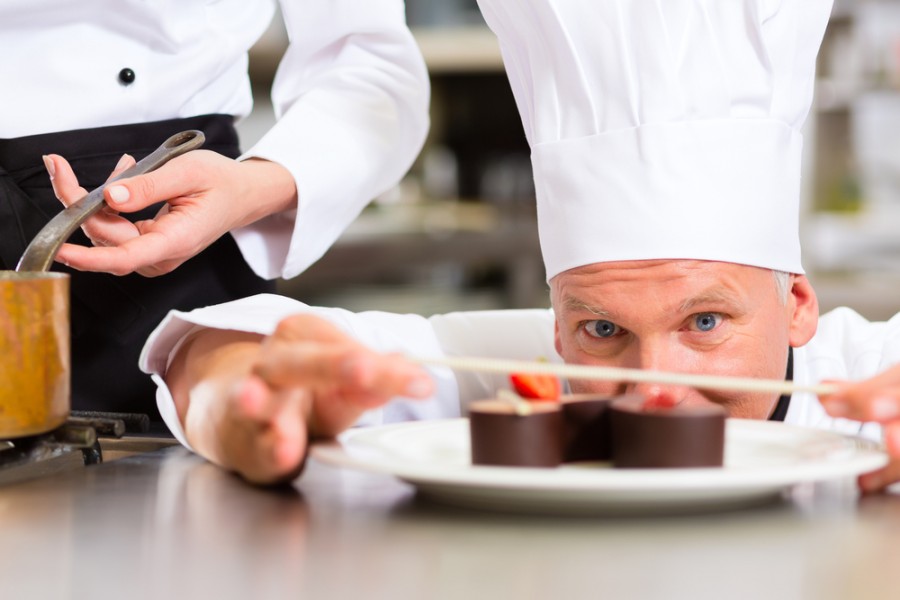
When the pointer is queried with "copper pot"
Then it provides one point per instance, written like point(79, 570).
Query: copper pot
point(35, 359)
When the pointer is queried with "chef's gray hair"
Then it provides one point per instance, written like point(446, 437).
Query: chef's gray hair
point(782, 285)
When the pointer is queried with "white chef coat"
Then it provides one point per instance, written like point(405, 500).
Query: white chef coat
point(846, 347)
point(351, 93)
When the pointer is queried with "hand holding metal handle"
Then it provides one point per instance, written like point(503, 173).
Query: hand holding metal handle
point(39, 254)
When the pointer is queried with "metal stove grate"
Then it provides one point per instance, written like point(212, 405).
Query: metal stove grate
point(80, 433)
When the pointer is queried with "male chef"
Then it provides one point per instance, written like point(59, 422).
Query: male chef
point(666, 149)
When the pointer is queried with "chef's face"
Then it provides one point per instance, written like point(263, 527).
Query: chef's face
point(685, 316)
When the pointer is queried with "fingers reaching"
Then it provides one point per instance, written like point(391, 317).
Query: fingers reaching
point(355, 373)
point(344, 382)
point(250, 403)
point(310, 351)
point(344, 377)
point(876, 399)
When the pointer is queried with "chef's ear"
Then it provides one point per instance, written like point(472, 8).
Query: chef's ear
point(804, 311)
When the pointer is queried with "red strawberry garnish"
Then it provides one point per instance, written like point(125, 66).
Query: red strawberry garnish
point(536, 386)
point(659, 401)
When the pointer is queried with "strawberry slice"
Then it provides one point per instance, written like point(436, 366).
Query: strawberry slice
point(536, 386)
point(659, 401)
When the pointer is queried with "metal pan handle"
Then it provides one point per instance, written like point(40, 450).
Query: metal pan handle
point(39, 254)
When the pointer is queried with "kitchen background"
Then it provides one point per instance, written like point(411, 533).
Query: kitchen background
point(459, 232)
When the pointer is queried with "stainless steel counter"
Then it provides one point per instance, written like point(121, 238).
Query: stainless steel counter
point(168, 525)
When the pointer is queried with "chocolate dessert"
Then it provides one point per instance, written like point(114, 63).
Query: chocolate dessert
point(586, 427)
point(516, 435)
point(647, 435)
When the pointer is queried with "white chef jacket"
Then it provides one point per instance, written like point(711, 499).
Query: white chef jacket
point(845, 347)
point(351, 93)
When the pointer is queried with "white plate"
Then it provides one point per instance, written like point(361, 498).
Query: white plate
point(762, 459)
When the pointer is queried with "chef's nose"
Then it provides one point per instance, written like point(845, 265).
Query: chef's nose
point(660, 395)
point(660, 357)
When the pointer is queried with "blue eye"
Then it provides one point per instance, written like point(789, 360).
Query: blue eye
point(707, 321)
point(601, 328)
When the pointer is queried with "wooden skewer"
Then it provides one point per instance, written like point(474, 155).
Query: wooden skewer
point(709, 382)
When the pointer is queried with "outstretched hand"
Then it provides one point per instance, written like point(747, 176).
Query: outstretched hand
point(205, 195)
point(250, 404)
point(876, 399)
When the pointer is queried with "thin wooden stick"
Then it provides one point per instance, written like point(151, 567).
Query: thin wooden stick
point(709, 382)
point(519, 404)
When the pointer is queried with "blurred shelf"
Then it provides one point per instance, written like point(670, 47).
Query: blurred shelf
point(420, 299)
point(464, 49)
point(834, 95)
point(874, 295)
point(435, 218)
point(411, 248)
point(855, 242)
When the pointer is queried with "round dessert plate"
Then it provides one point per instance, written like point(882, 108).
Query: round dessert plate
point(762, 460)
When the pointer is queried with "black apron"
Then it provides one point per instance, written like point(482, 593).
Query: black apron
point(113, 316)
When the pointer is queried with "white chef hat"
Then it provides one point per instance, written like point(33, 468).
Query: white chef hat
point(663, 128)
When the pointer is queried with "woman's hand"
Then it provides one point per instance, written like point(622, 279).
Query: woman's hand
point(206, 195)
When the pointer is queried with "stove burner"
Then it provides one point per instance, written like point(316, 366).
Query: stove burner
point(79, 432)
point(133, 422)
